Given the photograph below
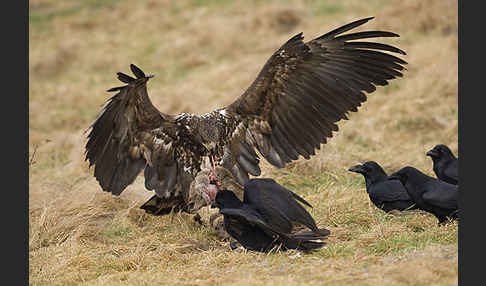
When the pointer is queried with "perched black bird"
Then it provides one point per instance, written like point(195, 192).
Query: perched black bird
point(445, 164)
point(430, 194)
point(267, 217)
point(385, 194)
point(290, 109)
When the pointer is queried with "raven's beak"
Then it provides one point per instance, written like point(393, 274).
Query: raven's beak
point(394, 176)
point(432, 153)
point(357, 169)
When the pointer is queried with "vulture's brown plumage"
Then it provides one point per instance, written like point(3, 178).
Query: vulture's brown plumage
point(291, 108)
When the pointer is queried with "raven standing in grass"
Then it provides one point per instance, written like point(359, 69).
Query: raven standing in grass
point(445, 164)
point(430, 194)
point(385, 194)
point(267, 217)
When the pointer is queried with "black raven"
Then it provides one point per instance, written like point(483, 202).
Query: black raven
point(267, 217)
point(385, 194)
point(430, 194)
point(291, 108)
point(445, 164)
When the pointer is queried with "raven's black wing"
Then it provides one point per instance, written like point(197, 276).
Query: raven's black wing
point(451, 171)
point(277, 204)
point(252, 219)
point(302, 241)
point(389, 191)
point(441, 194)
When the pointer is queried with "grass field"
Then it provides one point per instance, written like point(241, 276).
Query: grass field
point(205, 53)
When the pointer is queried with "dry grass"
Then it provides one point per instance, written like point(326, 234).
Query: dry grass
point(204, 53)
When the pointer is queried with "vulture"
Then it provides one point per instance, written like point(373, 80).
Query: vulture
point(288, 111)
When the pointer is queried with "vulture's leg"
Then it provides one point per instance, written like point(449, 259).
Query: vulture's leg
point(214, 181)
point(212, 175)
point(213, 163)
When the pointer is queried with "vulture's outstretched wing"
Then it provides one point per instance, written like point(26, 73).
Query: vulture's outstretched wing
point(302, 91)
point(291, 108)
point(130, 134)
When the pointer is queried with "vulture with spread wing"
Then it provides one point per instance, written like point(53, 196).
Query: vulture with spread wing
point(291, 108)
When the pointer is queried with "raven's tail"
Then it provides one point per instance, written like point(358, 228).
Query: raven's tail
point(320, 234)
point(305, 240)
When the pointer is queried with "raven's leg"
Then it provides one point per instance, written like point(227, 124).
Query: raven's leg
point(233, 244)
point(442, 220)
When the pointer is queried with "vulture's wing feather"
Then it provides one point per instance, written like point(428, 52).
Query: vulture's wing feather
point(303, 90)
point(131, 134)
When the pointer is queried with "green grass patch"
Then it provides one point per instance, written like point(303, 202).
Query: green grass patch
point(54, 159)
point(177, 7)
point(415, 124)
point(336, 250)
point(202, 3)
point(42, 15)
point(305, 183)
point(353, 181)
point(391, 88)
point(323, 7)
point(408, 241)
point(118, 232)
